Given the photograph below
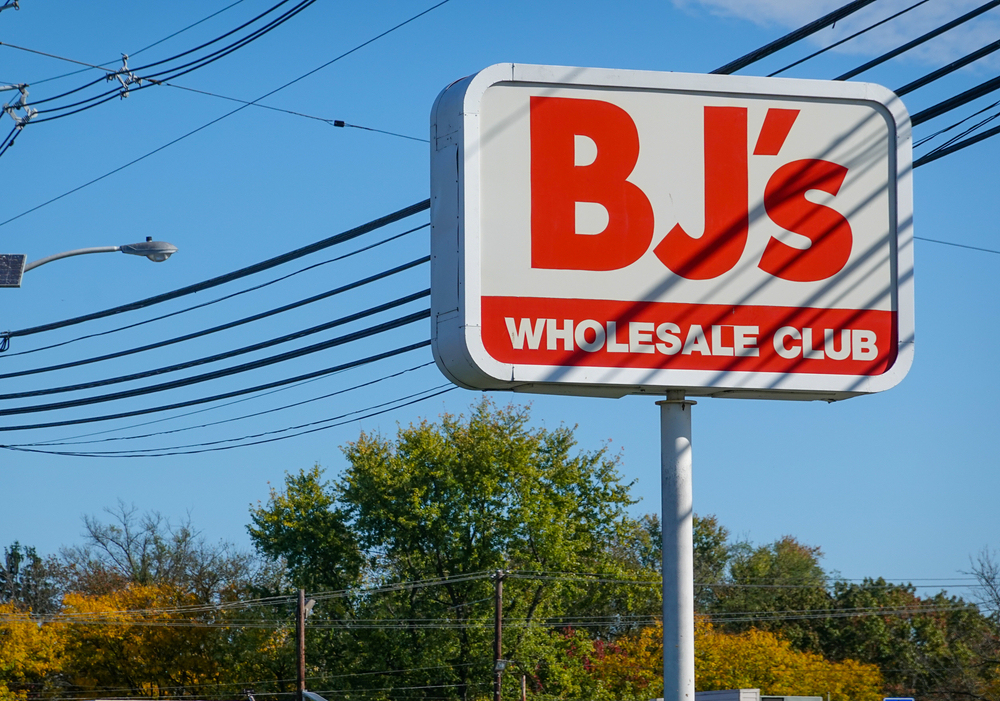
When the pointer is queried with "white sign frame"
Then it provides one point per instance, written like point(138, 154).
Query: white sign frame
point(457, 250)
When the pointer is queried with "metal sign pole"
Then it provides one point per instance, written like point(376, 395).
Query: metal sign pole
point(678, 550)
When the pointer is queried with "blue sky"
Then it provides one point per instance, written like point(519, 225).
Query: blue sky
point(901, 485)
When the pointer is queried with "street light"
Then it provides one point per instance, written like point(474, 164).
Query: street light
point(13, 266)
point(156, 251)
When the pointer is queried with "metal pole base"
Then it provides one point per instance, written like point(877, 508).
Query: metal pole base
point(678, 549)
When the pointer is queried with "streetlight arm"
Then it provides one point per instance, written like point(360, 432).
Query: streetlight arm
point(156, 251)
point(67, 254)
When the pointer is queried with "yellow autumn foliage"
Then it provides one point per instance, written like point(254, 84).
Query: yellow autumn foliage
point(761, 660)
point(631, 668)
point(130, 638)
point(28, 651)
point(7, 695)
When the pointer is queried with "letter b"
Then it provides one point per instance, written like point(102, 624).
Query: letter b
point(557, 184)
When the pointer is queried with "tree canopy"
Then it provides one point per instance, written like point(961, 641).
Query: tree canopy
point(456, 500)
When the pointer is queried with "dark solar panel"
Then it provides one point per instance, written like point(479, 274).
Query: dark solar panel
point(11, 269)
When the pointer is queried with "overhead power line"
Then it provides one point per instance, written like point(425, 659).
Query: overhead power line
point(215, 407)
point(965, 97)
point(181, 31)
point(9, 140)
point(58, 58)
point(935, 155)
point(250, 684)
point(224, 116)
point(106, 690)
point(557, 622)
point(281, 19)
point(310, 427)
point(235, 275)
point(331, 122)
point(957, 245)
point(225, 372)
point(829, 615)
point(202, 305)
point(970, 130)
point(941, 108)
point(580, 575)
point(221, 327)
point(255, 414)
point(793, 37)
point(111, 94)
point(336, 58)
point(121, 168)
point(848, 38)
point(955, 125)
point(226, 355)
point(919, 40)
point(131, 82)
point(225, 395)
point(321, 595)
point(950, 68)
point(215, 608)
point(266, 12)
point(598, 578)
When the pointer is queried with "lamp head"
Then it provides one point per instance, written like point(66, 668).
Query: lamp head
point(156, 251)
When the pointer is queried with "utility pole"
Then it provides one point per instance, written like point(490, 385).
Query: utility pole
point(498, 636)
point(300, 645)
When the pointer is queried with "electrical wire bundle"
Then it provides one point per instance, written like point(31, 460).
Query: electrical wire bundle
point(969, 130)
point(970, 136)
point(361, 338)
point(162, 72)
point(391, 313)
point(131, 79)
point(221, 614)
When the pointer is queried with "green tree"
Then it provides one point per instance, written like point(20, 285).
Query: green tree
point(712, 555)
point(469, 496)
point(771, 587)
point(934, 646)
point(937, 646)
point(640, 552)
point(28, 582)
point(304, 526)
point(303, 530)
point(453, 502)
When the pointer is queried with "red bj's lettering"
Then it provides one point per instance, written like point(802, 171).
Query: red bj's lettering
point(827, 230)
point(727, 219)
point(557, 184)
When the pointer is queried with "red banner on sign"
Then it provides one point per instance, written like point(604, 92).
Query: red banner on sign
point(658, 335)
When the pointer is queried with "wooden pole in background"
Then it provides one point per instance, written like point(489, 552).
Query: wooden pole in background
point(300, 644)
